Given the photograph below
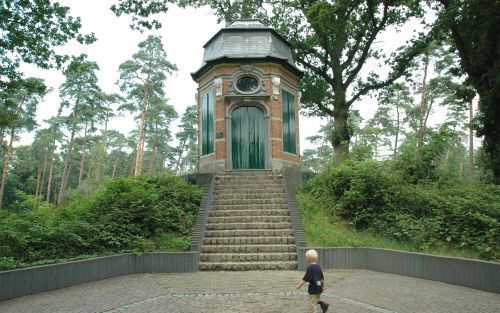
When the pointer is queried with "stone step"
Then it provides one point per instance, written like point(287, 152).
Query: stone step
point(255, 206)
point(229, 192)
point(249, 240)
point(249, 219)
point(249, 186)
point(220, 213)
point(221, 226)
point(258, 233)
point(247, 177)
point(247, 266)
point(251, 173)
point(248, 257)
point(259, 196)
point(249, 201)
point(247, 248)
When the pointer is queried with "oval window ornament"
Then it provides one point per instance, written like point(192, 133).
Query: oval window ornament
point(247, 84)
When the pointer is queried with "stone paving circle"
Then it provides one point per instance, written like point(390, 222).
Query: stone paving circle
point(354, 291)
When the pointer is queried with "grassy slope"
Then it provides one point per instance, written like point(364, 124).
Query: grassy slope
point(168, 242)
point(324, 230)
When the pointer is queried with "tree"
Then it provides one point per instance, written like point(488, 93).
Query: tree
point(187, 136)
point(30, 32)
point(159, 120)
point(473, 27)
point(80, 94)
point(43, 149)
point(394, 101)
point(318, 158)
point(143, 77)
point(22, 108)
point(117, 142)
point(99, 153)
point(331, 40)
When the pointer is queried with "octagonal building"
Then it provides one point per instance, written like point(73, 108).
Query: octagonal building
point(248, 101)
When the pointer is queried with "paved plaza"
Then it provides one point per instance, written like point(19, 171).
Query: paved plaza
point(353, 291)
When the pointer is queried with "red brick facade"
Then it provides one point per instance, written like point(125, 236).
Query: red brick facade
point(276, 158)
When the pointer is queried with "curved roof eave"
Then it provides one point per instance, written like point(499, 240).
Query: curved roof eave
point(240, 29)
point(209, 64)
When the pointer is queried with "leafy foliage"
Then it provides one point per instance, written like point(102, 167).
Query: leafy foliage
point(30, 32)
point(127, 214)
point(473, 27)
point(376, 196)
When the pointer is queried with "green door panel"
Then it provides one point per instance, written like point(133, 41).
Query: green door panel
point(247, 138)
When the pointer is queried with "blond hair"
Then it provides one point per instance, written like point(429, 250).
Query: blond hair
point(312, 255)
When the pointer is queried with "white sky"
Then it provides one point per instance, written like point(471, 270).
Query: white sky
point(184, 33)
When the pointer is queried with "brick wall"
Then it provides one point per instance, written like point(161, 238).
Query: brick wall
point(288, 81)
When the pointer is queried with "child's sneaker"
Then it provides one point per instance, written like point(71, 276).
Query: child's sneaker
point(324, 306)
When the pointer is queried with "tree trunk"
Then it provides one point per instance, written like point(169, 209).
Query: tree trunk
point(446, 158)
point(471, 142)
point(397, 132)
point(132, 167)
point(154, 149)
point(152, 160)
point(6, 163)
point(114, 168)
point(140, 143)
point(67, 167)
point(178, 163)
point(82, 161)
point(39, 182)
point(100, 168)
point(2, 134)
point(341, 136)
point(38, 179)
point(44, 171)
point(49, 183)
point(422, 109)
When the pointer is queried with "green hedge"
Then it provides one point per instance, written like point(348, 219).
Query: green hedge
point(127, 214)
point(373, 195)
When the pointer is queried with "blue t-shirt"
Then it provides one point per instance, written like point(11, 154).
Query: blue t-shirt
point(314, 276)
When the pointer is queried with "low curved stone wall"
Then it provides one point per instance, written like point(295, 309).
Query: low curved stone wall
point(23, 282)
point(476, 274)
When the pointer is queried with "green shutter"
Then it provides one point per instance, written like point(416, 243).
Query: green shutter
point(204, 128)
point(291, 123)
point(211, 121)
point(284, 120)
point(207, 123)
point(288, 122)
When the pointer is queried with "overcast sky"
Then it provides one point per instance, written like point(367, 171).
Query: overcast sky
point(184, 33)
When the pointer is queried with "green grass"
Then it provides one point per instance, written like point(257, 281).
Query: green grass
point(324, 229)
point(168, 242)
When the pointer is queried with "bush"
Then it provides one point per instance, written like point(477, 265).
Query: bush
point(127, 214)
point(373, 196)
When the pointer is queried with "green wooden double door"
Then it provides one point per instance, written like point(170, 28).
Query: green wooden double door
point(248, 134)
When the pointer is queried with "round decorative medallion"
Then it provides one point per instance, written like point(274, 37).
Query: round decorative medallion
point(247, 84)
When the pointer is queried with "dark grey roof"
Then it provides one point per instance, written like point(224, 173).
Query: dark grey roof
point(246, 23)
point(246, 39)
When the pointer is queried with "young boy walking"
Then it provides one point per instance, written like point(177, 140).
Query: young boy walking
point(314, 276)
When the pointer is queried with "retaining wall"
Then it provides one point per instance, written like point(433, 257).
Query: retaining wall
point(22, 282)
point(476, 274)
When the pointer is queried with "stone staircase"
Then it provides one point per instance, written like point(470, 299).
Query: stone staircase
point(249, 226)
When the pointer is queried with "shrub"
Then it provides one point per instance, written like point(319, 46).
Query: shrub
point(373, 196)
point(127, 214)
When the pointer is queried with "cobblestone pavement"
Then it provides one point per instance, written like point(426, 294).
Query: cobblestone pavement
point(353, 291)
